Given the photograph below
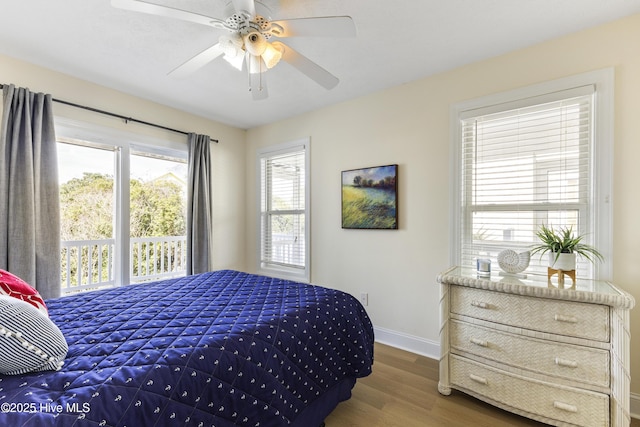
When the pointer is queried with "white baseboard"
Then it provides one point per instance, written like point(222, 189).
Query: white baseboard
point(408, 342)
point(635, 405)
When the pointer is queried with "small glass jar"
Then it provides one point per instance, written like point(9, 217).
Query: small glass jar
point(483, 267)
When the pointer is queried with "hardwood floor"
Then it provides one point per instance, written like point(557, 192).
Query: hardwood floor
point(402, 391)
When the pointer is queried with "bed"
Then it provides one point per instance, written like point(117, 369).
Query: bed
point(218, 349)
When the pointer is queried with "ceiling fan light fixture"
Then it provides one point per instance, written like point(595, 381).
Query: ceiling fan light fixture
point(232, 47)
point(236, 61)
point(272, 55)
point(231, 42)
point(255, 43)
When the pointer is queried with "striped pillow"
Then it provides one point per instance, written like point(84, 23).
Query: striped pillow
point(29, 340)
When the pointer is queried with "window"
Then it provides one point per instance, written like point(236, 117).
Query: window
point(86, 215)
point(535, 156)
point(284, 215)
point(123, 207)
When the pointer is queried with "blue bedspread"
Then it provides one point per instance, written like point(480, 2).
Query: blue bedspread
point(218, 349)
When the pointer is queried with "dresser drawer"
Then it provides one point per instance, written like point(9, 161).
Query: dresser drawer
point(575, 319)
point(575, 363)
point(563, 404)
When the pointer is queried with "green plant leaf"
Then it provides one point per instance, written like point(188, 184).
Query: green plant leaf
point(564, 241)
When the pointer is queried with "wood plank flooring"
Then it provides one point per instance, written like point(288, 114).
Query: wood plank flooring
point(402, 391)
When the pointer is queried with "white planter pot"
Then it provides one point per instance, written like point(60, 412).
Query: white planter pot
point(565, 262)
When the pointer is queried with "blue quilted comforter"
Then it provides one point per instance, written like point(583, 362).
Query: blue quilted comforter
point(218, 349)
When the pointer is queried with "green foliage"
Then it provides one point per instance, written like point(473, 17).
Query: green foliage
point(157, 209)
point(86, 206)
point(564, 241)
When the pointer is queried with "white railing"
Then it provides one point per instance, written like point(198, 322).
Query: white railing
point(87, 264)
point(90, 264)
point(154, 258)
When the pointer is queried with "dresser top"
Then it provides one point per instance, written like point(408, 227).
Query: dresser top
point(592, 291)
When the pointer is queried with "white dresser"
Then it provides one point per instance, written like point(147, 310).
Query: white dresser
point(560, 356)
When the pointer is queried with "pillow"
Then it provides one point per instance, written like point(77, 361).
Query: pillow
point(29, 340)
point(14, 286)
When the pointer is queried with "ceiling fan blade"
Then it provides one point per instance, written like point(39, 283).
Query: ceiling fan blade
point(308, 67)
point(198, 61)
point(245, 6)
point(169, 12)
point(323, 26)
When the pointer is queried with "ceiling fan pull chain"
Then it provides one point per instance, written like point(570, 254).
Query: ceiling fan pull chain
point(249, 73)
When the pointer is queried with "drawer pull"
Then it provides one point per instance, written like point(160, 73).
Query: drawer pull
point(565, 406)
point(479, 304)
point(478, 341)
point(566, 363)
point(566, 319)
point(478, 379)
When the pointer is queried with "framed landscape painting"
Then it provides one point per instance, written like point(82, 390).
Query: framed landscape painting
point(370, 198)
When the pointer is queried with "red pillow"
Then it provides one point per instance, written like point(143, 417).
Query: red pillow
point(16, 287)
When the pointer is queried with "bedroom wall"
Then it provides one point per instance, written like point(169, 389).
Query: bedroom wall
point(409, 125)
point(228, 155)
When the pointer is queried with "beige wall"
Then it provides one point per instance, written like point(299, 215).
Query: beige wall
point(228, 154)
point(409, 125)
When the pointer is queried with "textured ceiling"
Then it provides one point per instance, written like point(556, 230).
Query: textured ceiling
point(398, 41)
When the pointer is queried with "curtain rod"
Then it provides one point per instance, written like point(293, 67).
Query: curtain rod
point(119, 116)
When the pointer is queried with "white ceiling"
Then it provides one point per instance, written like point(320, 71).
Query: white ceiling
point(398, 41)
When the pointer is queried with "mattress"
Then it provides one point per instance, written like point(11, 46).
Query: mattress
point(220, 349)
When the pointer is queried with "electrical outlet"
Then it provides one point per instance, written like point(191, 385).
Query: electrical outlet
point(364, 298)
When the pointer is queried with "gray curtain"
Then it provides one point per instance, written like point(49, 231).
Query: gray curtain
point(199, 205)
point(30, 208)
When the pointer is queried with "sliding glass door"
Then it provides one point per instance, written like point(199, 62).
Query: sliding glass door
point(123, 212)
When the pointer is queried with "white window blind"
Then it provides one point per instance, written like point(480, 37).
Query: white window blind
point(283, 210)
point(524, 164)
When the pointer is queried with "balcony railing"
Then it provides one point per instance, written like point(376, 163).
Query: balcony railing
point(155, 258)
point(87, 265)
point(90, 264)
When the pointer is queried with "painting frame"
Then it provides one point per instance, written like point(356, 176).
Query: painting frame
point(370, 198)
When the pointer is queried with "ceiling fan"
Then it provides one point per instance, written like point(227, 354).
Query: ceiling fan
point(247, 40)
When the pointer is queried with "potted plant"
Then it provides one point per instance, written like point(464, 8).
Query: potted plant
point(563, 246)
